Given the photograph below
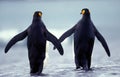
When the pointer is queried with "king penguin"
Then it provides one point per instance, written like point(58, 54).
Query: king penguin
point(84, 36)
point(37, 35)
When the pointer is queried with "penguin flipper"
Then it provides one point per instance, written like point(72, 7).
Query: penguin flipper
point(50, 37)
point(67, 33)
point(15, 39)
point(102, 40)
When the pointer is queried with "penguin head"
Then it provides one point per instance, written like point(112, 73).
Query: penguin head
point(38, 14)
point(85, 11)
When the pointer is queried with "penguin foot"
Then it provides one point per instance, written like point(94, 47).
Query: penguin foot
point(87, 69)
point(33, 74)
point(38, 74)
point(77, 67)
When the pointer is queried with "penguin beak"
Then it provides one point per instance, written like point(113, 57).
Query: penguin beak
point(81, 13)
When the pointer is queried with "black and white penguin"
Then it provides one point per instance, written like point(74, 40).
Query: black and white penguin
point(37, 35)
point(84, 36)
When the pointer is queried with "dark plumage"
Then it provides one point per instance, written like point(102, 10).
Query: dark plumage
point(84, 36)
point(36, 43)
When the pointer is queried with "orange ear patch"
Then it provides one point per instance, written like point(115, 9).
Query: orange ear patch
point(40, 14)
point(83, 12)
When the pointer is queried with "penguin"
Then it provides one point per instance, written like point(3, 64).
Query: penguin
point(37, 35)
point(84, 36)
